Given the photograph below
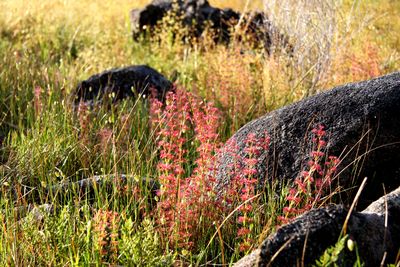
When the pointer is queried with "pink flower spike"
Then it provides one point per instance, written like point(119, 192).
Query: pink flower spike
point(243, 231)
point(241, 219)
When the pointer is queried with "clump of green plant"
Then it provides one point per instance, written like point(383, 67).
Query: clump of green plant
point(334, 256)
point(141, 246)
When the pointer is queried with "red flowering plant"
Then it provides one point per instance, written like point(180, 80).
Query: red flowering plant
point(314, 182)
point(247, 183)
point(241, 191)
point(106, 225)
point(186, 200)
point(37, 100)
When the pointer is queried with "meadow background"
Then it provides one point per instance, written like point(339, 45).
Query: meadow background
point(48, 46)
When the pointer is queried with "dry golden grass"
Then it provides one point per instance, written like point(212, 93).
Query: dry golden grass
point(96, 15)
point(238, 4)
point(373, 50)
point(94, 11)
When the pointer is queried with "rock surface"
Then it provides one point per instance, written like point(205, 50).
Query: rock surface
point(89, 188)
point(120, 83)
point(363, 125)
point(308, 236)
point(249, 260)
point(196, 14)
point(319, 229)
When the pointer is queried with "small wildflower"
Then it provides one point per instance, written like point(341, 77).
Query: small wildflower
point(241, 219)
point(244, 247)
point(37, 100)
point(243, 232)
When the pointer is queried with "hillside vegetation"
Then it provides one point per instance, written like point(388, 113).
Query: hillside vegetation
point(48, 46)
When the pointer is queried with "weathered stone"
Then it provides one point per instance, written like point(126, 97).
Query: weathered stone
point(363, 126)
point(313, 231)
point(37, 211)
point(120, 83)
point(308, 236)
point(387, 202)
point(249, 260)
point(197, 14)
point(88, 188)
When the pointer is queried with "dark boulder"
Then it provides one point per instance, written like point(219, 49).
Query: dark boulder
point(363, 127)
point(123, 82)
point(148, 17)
point(196, 14)
point(308, 236)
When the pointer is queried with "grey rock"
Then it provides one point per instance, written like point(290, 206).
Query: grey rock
point(361, 119)
point(37, 211)
point(249, 260)
point(87, 188)
point(387, 202)
point(313, 231)
point(123, 82)
point(308, 236)
point(196, 14)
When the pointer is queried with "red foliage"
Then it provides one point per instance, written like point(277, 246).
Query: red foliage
point(242, 188)
point(106, 225)
point(312, 184)
point(186, 199)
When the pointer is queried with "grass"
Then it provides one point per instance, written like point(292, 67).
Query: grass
point(47, 47)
